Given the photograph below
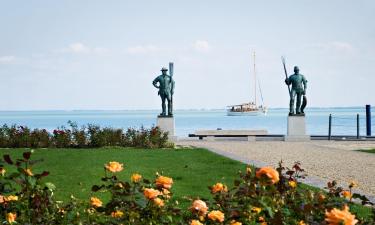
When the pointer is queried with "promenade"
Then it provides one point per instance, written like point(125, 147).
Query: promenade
point(322, 160)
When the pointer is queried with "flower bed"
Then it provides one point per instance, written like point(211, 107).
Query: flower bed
point(262, 196)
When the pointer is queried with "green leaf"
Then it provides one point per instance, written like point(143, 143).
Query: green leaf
point(50, 186)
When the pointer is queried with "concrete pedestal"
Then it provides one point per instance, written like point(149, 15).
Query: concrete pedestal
point(166, 124)
point(297, 129)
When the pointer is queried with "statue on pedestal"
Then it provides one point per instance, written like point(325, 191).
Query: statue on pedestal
point(299, 86)
point(165, 84)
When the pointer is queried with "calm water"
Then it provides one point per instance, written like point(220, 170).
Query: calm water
point(187, 121)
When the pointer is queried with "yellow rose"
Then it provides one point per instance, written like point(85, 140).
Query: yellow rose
point(158, 202)
point(151, 193)
point(136, 178)
point(117, 214)
point(195, 222)
point(164, 182)
point(2, 171)
point(339, 217)
point(11, 217)
point(233, 222)
point(353, 184)
point(256, 209)
point(218, 187)
point(292, 184)
point(248, 170)
point(199, 206)
point(28, 172)
point(96, 202)
point(216, 215)
point(270, 173)
point(11, 198)
point(114, 167)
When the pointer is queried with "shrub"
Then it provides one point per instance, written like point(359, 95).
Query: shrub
point(79, 136)
point(82, 137)
point(62, 137)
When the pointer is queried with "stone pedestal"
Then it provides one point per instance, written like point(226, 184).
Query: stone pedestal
point(297, 129)
point(166, 124)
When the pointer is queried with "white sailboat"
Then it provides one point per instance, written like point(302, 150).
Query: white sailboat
point(249, 108)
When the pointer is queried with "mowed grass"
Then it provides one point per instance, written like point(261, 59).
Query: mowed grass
point(74, 171)
point(367, 150)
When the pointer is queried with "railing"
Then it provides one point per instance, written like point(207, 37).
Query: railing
point(350, 123)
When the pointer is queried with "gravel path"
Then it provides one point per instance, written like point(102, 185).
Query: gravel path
point(323, 160)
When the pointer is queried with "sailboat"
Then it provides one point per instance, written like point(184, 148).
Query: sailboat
point(249, 108)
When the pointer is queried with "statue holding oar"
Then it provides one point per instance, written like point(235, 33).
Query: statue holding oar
point(299, 86)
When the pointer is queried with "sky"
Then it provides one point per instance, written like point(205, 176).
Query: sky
point(78, 55)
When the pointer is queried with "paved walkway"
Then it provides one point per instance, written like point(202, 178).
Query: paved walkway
point(322, 160)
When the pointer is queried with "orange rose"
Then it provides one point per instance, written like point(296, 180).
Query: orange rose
point(164, 182)
point(270, 173)
point(218, 187)
point(158, 202)
point(151, 193)
point(114, 167)
point(261, 219)
point(346, 194)
point(2, 199)
point(233, 222)
point(196, 222)
point(216, 215)
point(321, 197)
point(96, 202)
point(340, 217)
point(117, 214)
point(199, 206)
point(136, 178)
point(302, 223)
point(11, 217)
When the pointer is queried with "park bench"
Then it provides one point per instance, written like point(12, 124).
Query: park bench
point(250, 134)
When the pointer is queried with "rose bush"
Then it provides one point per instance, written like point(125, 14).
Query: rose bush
point(90, 136)
point(258, 196)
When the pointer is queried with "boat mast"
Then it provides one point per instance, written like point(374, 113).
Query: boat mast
point(255, 83)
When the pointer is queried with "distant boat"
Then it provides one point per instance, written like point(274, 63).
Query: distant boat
point(250, 108)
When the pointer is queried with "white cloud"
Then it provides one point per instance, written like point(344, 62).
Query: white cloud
point(143, 49)
point(338, 46)
point(79, 48)
point(7, 59)
point(201, 46)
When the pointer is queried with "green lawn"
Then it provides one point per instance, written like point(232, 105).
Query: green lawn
point(367, 150)
point(74, 171)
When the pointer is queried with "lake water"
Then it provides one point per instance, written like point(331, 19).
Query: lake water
point(187, 121)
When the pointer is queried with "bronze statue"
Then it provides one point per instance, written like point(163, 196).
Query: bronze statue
point(299, 86)
point(166, 90)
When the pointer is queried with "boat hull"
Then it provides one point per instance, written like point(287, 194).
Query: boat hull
point(248, 113)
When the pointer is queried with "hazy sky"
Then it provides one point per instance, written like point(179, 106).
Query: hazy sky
point(105, 54)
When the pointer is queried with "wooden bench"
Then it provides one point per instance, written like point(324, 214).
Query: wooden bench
point(250, 134)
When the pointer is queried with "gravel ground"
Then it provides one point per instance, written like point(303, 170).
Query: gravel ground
point(322, 160)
